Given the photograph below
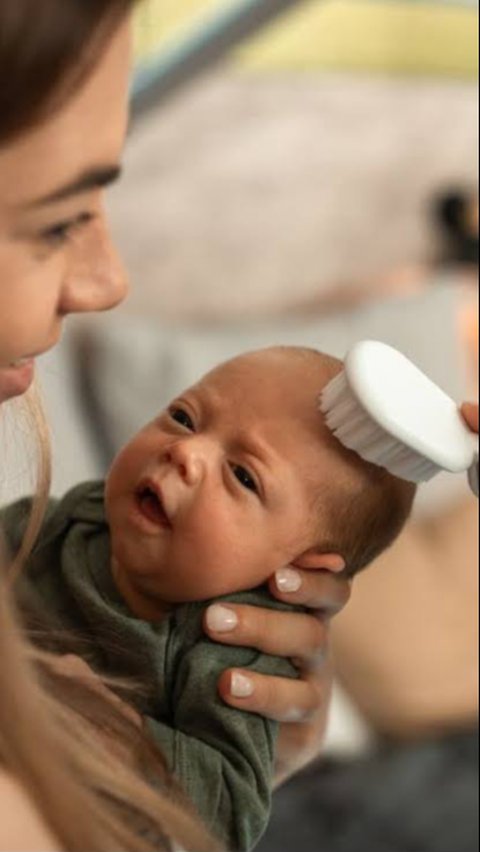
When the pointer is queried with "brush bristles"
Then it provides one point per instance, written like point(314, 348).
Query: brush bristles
point(356, 430)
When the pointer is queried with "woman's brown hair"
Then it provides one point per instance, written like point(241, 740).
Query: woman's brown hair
point(97, 782)
point(46, 50)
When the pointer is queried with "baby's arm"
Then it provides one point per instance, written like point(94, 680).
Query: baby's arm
point(13, 523)
point(223, 758)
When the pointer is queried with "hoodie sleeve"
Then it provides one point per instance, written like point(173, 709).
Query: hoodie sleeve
point(222, 757)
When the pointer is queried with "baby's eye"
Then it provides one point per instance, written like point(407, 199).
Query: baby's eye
point(180, 416)
point(245, 478)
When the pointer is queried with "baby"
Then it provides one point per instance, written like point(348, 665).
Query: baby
point(237, 478)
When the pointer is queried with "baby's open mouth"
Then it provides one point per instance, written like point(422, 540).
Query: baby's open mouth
point(150, 503)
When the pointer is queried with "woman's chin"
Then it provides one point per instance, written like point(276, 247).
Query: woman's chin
point(15, 381)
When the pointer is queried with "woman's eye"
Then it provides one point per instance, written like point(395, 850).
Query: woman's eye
point(59, 234)
point(245, 478)
point(181, 416)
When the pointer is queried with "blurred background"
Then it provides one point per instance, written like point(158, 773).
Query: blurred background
point(306, 172)
point(337, 125)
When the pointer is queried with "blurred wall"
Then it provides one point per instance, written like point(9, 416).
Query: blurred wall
point(407, 37)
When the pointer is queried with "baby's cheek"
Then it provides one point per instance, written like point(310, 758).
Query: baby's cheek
point(210, 564)
point(222, 549)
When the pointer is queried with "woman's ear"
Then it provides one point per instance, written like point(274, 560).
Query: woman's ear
point(317, 561)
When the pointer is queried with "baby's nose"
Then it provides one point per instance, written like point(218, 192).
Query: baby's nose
point(188, 457)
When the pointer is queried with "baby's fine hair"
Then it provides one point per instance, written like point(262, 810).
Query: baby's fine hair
point(361, 515)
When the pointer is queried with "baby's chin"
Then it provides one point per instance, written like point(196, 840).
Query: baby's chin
point(146, 596)
point(153, 596)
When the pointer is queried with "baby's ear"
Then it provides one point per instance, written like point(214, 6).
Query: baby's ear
point(318, 561)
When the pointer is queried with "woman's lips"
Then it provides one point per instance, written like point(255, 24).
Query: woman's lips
point(16, 379)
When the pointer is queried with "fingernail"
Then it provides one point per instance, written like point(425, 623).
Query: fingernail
point(241, 686)
point(294, 714)
point(288, 580)
point(318, 659)
point(220, 619)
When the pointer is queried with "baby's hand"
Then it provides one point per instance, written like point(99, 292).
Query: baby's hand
point(69, 665)
point(300, 705)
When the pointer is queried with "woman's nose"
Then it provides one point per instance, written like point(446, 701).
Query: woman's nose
point(95, 278)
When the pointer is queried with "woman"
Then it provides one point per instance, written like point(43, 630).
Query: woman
point(63, 116)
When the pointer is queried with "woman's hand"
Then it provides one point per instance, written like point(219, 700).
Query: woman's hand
point(300, 705)
point(470, 415)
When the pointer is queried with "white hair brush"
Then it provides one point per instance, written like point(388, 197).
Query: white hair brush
point(385, 409)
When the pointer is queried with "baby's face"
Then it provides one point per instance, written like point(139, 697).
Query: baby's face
point(216, 494)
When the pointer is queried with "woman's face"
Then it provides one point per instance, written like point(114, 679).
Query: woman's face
point(56, 257)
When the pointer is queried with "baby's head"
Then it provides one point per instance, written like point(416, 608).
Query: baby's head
point(239, 477)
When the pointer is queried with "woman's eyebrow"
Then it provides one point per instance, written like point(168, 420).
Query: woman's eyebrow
point(97, 177)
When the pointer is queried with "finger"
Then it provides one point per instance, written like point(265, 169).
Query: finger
point(320, 590)
point(284, 634)
point(70, 665)
point(280, 699)
point(470, 414)
point(299, 744)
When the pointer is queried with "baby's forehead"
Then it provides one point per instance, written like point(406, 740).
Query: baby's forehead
point(274, 391)
point(294, 375)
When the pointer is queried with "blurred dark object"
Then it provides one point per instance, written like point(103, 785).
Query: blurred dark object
point(456, 214)
point(408, 797)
